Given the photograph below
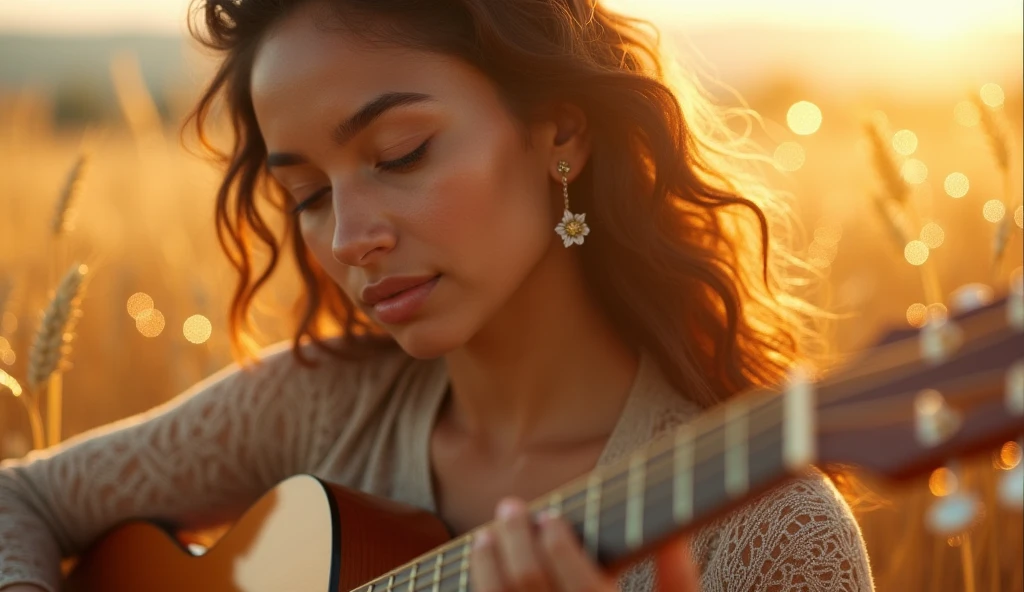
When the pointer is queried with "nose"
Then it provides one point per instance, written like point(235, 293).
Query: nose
point(362, 234)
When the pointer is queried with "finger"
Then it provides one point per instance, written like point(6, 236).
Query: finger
point(484, 571)
point(517, 548)
point(573, 570)
point(676, 572)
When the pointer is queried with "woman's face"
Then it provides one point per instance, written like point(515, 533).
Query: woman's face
point(409, 174)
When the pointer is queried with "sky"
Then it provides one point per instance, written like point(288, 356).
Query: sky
point(928, 18)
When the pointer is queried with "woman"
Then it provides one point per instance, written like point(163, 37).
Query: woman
point(502, 216)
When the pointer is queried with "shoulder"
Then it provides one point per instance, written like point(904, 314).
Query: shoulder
point(799, 535)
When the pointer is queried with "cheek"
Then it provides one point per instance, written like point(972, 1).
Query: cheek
point(492, 213)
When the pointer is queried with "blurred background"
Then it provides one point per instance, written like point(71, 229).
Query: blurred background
point(896, 126)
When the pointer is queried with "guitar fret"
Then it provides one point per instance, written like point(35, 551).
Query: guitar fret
point(555, 503)
point(736, 462)
point(798, 423)
point(682, 495)
point(412, 577)
point(592, 515)
point(437, 571)
point(464, 569)
point(635, 501)
point(391, 583)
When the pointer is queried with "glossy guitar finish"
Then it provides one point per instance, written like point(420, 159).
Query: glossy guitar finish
point(303, 536)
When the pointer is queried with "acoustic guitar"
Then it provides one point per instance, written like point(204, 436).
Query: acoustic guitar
point(906, 406)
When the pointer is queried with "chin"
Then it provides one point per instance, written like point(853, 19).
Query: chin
point(426, 339)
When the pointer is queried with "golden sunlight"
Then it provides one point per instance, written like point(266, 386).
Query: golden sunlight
point(956, 185)
point(804, 118)
point(150, 322)
point(1018, 216)
point(993, 210)
point(1008, 457)
point(933, 235)
point(916, 314)
point(197, 329)
point(139, 303)
point(904, 142)
point(966, 114)
point(916, 252)
point(914, 171)
point(992, 95)
point(790, 156)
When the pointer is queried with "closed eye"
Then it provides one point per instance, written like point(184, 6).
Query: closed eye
point(406, 161)
point(310, 201)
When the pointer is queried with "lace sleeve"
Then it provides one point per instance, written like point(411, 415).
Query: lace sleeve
point(800, 537)
point(195, 461)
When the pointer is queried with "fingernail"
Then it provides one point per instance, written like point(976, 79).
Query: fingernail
point(508, 508)
point(482, 539)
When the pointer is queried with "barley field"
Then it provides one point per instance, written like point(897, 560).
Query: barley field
point(152, 322)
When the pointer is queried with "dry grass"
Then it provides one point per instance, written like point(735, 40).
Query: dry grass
point(145, 217)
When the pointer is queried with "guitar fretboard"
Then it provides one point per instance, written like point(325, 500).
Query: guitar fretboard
point(674, 483)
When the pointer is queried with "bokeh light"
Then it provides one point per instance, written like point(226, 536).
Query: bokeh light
point(993, 210)
point(8, 381)
point(992, 95)
point(956, 185)
point(966, 114)
point(916, 252)
point(150, 322)
point(904, 142)
point(932, 235)
point(914, 171)
point(4, 344)
point(1018, 216)
point(955, 540)
point(917, 313)
point(829, 234)
point(139, 303)
point(937, 311)
point(942, 482)
point(8, 357)
point(790, 156)
point(804, 118)
point(1007, 457)
point(197, 329)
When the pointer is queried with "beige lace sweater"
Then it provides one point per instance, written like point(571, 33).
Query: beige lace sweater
point(211, 452)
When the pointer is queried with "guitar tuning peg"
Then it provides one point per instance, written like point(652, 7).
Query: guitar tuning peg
point(970, 297)
point(1015, 389)
point(934, 420)
point(939, 338)
point(955, 511)
point(1015, 301)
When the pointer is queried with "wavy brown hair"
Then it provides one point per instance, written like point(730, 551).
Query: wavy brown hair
point(681, 260)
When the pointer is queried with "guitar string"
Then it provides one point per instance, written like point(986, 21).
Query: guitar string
point(656, 465)
point(889, 362)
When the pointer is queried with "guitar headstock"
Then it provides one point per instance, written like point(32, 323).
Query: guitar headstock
point(921, 398)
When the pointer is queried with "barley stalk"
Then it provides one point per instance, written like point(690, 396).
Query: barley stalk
point(69, 191)
point(996, 130)
point(31, 407)
point(886, 161)
point(52, 345)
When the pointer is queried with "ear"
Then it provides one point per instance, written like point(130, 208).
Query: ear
point(566, 136)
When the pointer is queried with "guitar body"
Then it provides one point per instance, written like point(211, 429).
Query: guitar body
point(303, 536)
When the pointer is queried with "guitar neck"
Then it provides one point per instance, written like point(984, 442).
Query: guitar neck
point(673, 484)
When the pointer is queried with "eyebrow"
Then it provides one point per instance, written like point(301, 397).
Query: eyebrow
point(360, 120)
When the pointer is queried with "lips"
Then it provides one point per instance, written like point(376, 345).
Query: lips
point(392, 286)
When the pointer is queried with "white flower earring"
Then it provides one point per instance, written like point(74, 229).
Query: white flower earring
point(573, 227)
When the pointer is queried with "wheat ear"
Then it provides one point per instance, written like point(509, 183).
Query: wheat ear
point(52, 345)
point(997, 131)
point(69, 191)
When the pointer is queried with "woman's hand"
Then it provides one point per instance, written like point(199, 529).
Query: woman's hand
point(515, 555)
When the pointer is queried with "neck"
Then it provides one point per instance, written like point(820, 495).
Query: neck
point(550, 352)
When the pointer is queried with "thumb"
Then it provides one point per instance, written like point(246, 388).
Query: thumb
point(676, 572)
